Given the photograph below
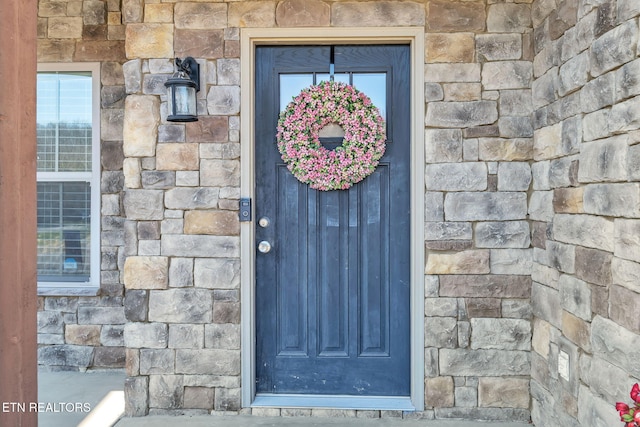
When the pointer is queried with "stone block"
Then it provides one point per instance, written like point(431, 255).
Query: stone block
point(577, 330)
point(441, 307)
point(146, 272)
point(251, 14)
point(516, 102)
point(109, 357)
point(516, 308)
point(509, 234)
point(178, 156)
point(140, 128)
point(200, 16)
point(466, 206)
point(627, 239)
point(157, 361)
point(547, 142)
point(222, 336)
point(515, 127)
point(384, 14)
point(496, 149)
point(171, 133)
point(562, 18)
point(434, 206)
point(604, 160)
point(449, 48)
point(619, 200)
point(574, 73)
point(158, 13)
point(136, 391)
point(191, 198)
point(568, 200)
point(145, 335)
point(198, 398)
point(433, 92)
point(593, 410)
point(501, 334)
point(461, 114)
point(593, 266)
point(186, 336)
point(561, 256)
point(448, 73)
point(507, 75)
point(443, 145)
point(200, 246)
point(508, 18)
point(82, 334)
point(136, 305)
point(63, 27)
point(66, 355)
point(480, 307)
point(627, 9)
point(112, 335)
point(626, 273)
point(563, 172)
point(166, 391)
point(608, 53)
point(220, 173)
point(625, 116)
point(514, 176)
point(462, 91)
point(439, 392)
point(511, 261)
point(625, 314)
point(181, 306)
point(208, 362)
point(448, 231)
point(503, 392)
point(575, 296)
point(226, 312)
point(545, 303)
point(181, 273)
point(586, 230)
point(88, 315)
point(228, 399)
point(468, 176)
point(466, 262)
point(199, 43)
point(228, 71)
point(50, 322)
point(220, 223)
point(303, 13)
point(440, 332)
point(615, 344)
point(485, 286)
point(217, 273)
point(150, 40)
point(499, 47)
point(455, 16)
point(599, 93)
point(485, 362)
point(544, 88)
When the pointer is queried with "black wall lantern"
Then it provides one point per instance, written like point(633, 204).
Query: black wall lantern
point(181, 89)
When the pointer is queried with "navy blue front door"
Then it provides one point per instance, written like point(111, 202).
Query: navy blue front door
point(333, 293)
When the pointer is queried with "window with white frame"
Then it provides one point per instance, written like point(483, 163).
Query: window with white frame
point(68, 136)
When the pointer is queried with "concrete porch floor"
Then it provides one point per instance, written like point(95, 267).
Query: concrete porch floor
point(103, 393)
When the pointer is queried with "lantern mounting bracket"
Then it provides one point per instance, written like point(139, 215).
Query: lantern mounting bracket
point(191, 68)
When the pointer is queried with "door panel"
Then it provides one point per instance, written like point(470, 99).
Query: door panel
point(332, 296)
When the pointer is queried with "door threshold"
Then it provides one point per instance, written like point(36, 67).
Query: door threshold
point(371, 403)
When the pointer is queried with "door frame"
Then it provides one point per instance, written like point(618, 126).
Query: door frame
point(249, 39)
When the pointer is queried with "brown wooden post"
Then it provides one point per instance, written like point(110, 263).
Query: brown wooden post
point(18, 286)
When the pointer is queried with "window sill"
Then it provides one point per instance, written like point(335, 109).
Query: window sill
point(69, 291)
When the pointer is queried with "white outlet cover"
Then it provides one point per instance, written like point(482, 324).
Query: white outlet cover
point(563, 365)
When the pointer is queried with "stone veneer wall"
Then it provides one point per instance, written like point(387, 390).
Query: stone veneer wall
point(79, 332)
point(585, 210)
point(182, 188)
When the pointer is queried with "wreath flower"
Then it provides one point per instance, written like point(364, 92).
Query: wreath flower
point(299, 142)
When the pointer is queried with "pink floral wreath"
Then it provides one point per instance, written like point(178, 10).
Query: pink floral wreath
point(299, 142)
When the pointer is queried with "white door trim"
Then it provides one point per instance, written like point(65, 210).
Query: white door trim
point(249, 39)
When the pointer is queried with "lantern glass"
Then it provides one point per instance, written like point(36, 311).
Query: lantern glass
point(184, 100)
